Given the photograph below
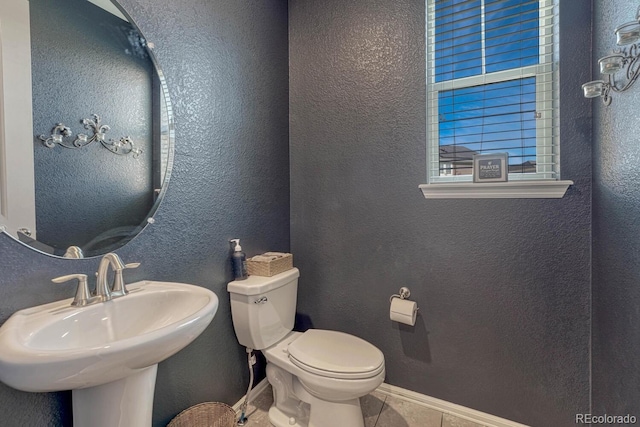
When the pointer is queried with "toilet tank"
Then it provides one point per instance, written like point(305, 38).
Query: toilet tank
point(263, 308)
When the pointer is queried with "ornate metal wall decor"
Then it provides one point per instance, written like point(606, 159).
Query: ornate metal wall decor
point(123, 146)
point(622, 67)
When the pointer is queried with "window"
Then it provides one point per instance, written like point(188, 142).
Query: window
point(492, 87)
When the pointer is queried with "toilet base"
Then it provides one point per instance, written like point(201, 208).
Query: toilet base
point(323, 414)
point(294, 406)
point(280, 419)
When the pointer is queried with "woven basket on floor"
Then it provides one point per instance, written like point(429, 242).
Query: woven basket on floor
point(208, 414)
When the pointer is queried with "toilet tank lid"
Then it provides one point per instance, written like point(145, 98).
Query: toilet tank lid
point(255, 285)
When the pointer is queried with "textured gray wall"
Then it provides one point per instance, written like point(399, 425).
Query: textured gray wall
point(226, 65)
point(616, 227)
point(85, 64)
point(503, 285)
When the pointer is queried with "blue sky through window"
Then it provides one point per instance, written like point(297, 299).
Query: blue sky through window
point(458, 39)
point(496, 117)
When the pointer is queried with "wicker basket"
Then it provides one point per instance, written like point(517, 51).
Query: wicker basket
point(270, 268)
point(208, 414)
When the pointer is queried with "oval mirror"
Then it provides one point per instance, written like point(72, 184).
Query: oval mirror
point(87, 139)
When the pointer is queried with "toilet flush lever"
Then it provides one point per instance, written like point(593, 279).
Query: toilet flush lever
point(261, 300)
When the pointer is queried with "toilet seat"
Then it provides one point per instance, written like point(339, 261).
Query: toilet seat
point(335, 354)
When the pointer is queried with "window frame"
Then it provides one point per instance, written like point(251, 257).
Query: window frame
point(547, 92)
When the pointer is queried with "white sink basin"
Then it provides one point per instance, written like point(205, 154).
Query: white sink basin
point(56, 346)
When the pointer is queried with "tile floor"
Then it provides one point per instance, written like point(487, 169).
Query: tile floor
point(379, 410)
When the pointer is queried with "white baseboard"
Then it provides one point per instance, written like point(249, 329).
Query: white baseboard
point(446, 407)
point(443, 406)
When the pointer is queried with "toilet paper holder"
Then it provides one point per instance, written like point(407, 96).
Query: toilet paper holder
point(402, 309)
point(403, 293)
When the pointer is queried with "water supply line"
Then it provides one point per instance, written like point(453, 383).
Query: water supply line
point(251, 360)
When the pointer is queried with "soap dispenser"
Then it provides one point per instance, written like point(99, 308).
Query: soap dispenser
point(238, 261)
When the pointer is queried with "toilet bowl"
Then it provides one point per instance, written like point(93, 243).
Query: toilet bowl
point(330, 389)
point(317, 376)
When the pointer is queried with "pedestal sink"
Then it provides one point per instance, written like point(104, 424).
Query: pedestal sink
point(107, 353)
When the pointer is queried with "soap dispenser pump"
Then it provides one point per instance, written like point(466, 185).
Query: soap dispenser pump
point(238, 261)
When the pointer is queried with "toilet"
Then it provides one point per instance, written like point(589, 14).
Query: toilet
point(317, 376)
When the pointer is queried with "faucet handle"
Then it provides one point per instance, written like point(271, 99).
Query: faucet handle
point(119, 287)
point(82, 297)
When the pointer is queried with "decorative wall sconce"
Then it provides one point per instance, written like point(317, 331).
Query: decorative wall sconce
point(123, 146)
point(622, 67)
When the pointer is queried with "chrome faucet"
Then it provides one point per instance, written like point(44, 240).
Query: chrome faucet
point(82, 297)
point(119, 288)
point(103, 290)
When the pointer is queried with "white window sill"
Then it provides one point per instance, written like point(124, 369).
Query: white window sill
point(496, 190)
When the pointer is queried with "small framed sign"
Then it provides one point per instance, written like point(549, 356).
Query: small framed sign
point(491, 167)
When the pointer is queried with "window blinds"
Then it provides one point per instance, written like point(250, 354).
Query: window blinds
point(491, 78)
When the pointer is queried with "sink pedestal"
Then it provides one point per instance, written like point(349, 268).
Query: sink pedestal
point(125, 402)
